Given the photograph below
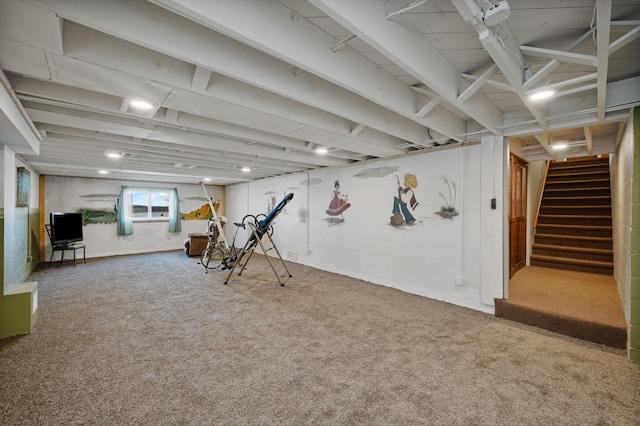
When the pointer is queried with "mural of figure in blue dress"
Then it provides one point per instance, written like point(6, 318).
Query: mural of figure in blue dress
point(405, 201)
point(338, 203)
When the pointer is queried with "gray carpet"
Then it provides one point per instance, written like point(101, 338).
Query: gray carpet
point(152, 339)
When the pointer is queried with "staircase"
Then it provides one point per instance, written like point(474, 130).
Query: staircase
point(574, 222)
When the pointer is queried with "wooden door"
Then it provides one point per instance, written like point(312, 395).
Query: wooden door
point(518, 169)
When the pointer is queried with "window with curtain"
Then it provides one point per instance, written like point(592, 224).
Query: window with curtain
point(147, 205)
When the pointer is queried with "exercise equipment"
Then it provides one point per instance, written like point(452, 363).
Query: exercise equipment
point(221, 238)
point(218, 254)
point(259, 228)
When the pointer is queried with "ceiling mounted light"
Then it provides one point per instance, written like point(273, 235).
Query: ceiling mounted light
point(560, 146)
point(113, 154)
point(322, 151)
point(246, 169)
point(542, 94)
point(496, 14)
point(141, 105)
point(103, 172)
point(207, 179)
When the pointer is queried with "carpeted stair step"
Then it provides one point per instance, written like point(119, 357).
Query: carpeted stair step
point(573, 229)
point(559, 176)
point(602, 191)
point(566, 219)
point(577, 201)
point(580, 165)
point(572, 252)
point(591, 266)
point(586, 210)
point(592, 331)
point(591, 183)
point(604, 243)
point(586, 231)
point(581, 171)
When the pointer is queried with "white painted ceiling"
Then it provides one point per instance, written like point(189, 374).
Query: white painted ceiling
point(263, 83)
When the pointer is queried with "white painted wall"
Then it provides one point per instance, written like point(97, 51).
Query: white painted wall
point(64, 194)
point(494, 270)
point(8, 200)
point(426, 258)
point(621, 202)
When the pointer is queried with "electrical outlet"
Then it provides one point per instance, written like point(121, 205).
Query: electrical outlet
point(458, 280)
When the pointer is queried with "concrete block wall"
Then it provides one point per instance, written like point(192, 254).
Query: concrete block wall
point(437, 257)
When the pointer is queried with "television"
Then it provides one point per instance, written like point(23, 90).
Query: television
point(66, 228)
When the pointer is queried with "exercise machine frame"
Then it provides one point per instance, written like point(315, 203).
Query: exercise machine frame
point(260, 228)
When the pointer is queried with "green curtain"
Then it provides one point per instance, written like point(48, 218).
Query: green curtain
point(174, 217)
point(125, 223)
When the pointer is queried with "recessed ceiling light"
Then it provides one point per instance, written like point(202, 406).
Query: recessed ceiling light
point(142, 105)
point(559, 146)
point(103, 172)
point(543, 94)
point(246, 169)
point(207, 179)
point(321, 151)
point(114, 154)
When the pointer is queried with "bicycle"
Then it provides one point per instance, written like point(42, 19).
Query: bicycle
point(218, 254)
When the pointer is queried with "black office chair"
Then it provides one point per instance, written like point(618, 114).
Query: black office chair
point(64, 247)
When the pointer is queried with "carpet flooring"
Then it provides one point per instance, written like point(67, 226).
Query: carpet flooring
point(152, 340)
point(579, 304)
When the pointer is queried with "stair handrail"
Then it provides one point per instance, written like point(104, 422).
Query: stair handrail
point(544, 182)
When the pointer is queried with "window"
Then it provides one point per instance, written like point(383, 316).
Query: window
point(149, 204)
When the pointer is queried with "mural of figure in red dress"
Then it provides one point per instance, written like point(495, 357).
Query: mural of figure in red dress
point(338, 203)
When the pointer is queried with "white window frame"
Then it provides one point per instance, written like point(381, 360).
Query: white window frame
point(149, 217)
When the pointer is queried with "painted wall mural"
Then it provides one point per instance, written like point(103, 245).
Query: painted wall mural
point(405, 201)
point(448, 209)
point(378, 172)
point(108, 216)
point(201, 213)
point(436, 255)
point(273, 199)
point(91, 215)
point(339, 203)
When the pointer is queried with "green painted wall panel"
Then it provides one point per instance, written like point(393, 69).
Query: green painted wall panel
point(634, 293)
point(17, 314)
point(18, 301)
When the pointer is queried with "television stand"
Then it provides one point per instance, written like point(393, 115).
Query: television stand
point(75, 246)
point(68, 247)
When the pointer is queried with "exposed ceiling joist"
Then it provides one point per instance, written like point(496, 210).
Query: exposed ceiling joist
point(301, 43)
point(231, 84)
point(602, 49)
point(510, 62)
point(160, 30)
point(573, 58)
point(405, 46)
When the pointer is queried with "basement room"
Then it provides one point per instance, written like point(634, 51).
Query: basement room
point(320, 212)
